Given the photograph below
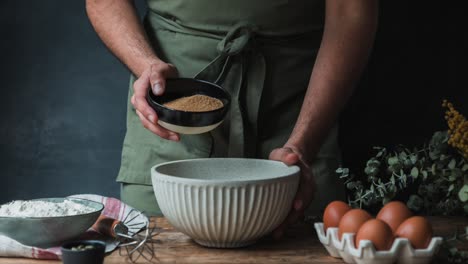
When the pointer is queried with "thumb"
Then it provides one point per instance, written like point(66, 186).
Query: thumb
point(157, 80)
point(285, 155)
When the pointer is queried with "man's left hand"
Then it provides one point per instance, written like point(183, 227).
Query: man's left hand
point(305, 193)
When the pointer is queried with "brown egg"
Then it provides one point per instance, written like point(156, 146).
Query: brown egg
point(333, 213)
point(394, 213)
point(378, 232)
point(417, 230)
point(352, 221)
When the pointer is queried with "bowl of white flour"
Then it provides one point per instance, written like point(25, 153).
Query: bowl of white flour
point(47, 222)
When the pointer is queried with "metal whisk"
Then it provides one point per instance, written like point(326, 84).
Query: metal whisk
point(135, 238)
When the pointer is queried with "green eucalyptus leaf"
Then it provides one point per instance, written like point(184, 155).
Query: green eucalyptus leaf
point(465, 167)
point(379, 154)
point(407, 163)
point(392, 161)
point(424, 173)
point(452, 177)
point(382, 194)
point(442, 157)
point(403, 155)
point(414, 158)
point(344, 173)
point(433, 155)
point(463, 193)
point(373, 163)
point(450, 189)
point(452, 164)
point(415, 172)
point(383, 187)
point(351, 185)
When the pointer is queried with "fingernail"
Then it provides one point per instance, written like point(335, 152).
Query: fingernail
point(152, 118)
point(157, 89)
point(174, 138)
point(298, 205)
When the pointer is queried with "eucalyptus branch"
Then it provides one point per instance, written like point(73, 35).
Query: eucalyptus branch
point(438, 174)
point(434, 176)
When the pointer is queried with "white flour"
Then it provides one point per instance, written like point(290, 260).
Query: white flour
point(21, 208)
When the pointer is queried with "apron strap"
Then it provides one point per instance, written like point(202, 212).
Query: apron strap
point(237, 50)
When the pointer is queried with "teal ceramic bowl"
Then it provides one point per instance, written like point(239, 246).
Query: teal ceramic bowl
point(53, 231)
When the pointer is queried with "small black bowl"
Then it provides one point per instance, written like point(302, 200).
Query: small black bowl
point(189, 122)
point(94, 255)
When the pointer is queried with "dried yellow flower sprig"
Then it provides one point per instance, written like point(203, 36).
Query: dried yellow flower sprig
point(458, 129)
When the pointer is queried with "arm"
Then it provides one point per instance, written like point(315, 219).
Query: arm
point(117, 24)
point(346, 44)
point(350, 27)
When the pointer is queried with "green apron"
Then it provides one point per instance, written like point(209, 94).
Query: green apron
point(262, 52)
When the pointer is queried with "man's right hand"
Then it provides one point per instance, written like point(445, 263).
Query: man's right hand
point(153, 77)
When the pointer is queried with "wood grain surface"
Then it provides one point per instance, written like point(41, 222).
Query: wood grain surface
point(300, 245)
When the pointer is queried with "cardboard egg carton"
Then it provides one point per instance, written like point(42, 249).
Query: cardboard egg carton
point(401, 251)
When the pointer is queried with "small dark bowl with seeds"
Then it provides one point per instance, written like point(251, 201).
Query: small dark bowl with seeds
point(84, 251)
point(190, 106)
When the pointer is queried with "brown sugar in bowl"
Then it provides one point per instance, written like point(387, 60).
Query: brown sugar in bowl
point(187, 90)
point(195, 103)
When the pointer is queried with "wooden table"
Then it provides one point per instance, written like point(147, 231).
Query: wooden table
point(300, 245)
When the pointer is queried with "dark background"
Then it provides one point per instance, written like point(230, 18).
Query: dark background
point(63, 95)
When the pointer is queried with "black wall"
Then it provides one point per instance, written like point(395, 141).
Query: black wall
point(63, 96)
point(420, 57)
point(62, 106)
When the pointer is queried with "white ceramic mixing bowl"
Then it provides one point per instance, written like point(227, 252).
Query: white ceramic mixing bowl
point(225, 202)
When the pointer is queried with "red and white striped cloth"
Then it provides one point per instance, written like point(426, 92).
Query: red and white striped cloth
point(113, 208)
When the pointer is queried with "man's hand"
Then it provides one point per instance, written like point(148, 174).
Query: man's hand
point(155, 78)
point(305, 193)
point(118, 25)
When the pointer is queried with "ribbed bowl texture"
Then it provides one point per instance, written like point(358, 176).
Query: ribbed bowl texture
point(225, 202)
